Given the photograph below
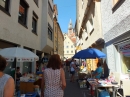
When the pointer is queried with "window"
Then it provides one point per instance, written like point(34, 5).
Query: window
point(89, 25)
point(36, 2)
point(49, 34)
point(71, 46)
point(67, 46)
point(79, 18)
point(124, 50)
point(22, 12)
point(82, 4)
point(67, 51)
point(50, 11)
point(71, 51)
point(34, 22)
point(4, 4)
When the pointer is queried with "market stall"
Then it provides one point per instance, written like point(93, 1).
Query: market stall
point(84, 73)
point(19, 55)
point(30, 83)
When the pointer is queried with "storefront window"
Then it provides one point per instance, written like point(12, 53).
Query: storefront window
point(27, 67)
point(125, 57)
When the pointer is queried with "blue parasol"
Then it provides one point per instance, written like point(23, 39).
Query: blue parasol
point(90, 53)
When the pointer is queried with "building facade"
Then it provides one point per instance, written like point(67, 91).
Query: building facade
point(69, 42)
point(47, 27)
point(60, 43)
point(26, 24)
point(69, 47)
point(58, 35)
point(55, 29)
point(89, 28)
point(116, 31)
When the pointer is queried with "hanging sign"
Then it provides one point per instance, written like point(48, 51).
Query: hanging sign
point(25, 59)
point(9, 59)
point(125, 49)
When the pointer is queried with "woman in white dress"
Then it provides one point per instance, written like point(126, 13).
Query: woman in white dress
point(53, 81)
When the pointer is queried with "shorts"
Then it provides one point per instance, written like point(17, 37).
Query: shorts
point(72, 72)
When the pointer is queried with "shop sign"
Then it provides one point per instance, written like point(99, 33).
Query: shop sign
point(125, 49)
point(9, 59)
point(26, 59)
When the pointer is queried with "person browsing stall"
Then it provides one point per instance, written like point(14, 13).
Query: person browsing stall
point(6, 81)
point(72, 70)
point(98, 72)
point(18, 74)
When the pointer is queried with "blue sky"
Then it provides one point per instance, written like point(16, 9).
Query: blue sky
point(66, 11)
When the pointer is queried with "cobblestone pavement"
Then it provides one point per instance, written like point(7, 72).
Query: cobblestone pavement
point(73, 89)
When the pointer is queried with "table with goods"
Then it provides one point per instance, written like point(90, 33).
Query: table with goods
point(30, 85)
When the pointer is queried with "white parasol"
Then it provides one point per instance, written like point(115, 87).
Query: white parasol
point(21, 54)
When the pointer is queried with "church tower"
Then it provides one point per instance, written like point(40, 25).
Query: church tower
point(71, 33)
point(70, 27)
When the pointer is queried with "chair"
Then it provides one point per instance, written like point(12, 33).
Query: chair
point(126, 86)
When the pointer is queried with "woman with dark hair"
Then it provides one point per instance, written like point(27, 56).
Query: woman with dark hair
point(6, 81)
point(53, 81)
point(98, 72)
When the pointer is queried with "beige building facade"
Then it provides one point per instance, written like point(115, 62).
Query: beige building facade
point(89, 28)
point(69, 48)
point(55, 30)
point(27, 24)
point(60, 43)
point(69, 42)
point(58, 35)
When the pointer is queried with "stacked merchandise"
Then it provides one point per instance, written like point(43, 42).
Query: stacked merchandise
point(82, 83)
point(82, 77)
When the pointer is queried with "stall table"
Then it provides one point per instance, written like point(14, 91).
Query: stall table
point(97, 85)
point(26, 87)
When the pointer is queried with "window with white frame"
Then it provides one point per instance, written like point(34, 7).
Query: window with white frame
point(71, 46)
point(89, 25)
point(84, 34)
point(72, 51)
point(67, 51)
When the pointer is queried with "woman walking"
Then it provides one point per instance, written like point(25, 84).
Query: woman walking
point(53, 81)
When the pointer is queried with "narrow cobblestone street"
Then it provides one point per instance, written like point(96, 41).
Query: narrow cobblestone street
point(73, 89)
